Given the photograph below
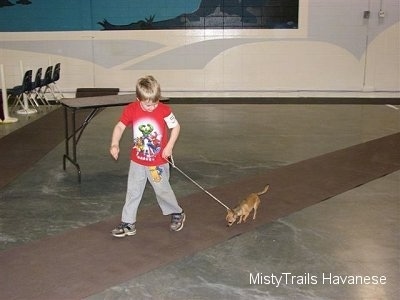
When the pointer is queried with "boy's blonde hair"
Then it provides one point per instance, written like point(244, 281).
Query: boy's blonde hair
point(148, 89)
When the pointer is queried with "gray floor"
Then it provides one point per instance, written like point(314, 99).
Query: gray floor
point(353, 234)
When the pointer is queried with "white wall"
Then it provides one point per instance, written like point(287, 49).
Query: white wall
point(334, 52)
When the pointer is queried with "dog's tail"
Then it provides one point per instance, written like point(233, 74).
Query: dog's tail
point(264, 190)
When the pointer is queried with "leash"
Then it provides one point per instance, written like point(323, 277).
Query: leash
point(172, 163)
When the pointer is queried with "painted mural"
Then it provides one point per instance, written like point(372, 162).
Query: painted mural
point(76, 15)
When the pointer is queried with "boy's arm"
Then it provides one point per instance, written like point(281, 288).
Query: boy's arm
point(116, 137)
point(167, 152)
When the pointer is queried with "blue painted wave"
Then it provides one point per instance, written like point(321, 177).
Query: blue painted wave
point(76, 15)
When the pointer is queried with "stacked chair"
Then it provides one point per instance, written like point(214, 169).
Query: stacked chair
point(55, 78)
point(45, 83)
point(24, 90)
point(36, 86)
point(48, 85)
point(36, 91)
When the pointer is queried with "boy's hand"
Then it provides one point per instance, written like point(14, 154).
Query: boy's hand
point(114, 151)
point(167, 152)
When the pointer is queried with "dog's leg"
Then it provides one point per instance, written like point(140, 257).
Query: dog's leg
point(254, 212)
point(240, 219)
point(245, 217)
point(255, 209)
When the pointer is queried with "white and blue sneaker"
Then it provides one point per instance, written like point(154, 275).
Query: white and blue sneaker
point(177, 221)
point(124, 229)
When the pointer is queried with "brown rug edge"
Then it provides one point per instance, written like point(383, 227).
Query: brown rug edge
point(16, 161)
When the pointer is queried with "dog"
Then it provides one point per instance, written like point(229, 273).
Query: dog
point(244, 208)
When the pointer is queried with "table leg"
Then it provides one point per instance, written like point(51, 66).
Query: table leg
point(68, 137)
point(74, 136)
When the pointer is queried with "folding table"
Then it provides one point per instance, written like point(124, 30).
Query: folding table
point(94, 104)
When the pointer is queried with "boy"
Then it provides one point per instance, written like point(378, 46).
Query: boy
point(151, 148)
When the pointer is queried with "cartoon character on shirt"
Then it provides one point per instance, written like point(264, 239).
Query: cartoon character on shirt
point(149, 144)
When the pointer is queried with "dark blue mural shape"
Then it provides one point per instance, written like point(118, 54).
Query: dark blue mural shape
point(8, 3)
point(224, 14)
point(78, 15)
point(5, 3)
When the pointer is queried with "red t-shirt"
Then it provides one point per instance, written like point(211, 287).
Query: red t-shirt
point(150, 131)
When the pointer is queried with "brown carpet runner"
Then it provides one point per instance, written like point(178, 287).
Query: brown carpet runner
point(85, 261)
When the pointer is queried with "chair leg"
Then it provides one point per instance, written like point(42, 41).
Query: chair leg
point(57, 90)
point(38, 97)
point(49, 89)
point(42, 92)
point(18, 101)
point(31, 99)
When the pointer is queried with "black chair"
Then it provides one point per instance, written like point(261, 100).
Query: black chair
point(45, 85)
point(36, 86)
point(25, 89)
point(55, 78)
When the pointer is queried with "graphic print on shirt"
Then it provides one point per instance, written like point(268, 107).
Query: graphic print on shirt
point(146, 140)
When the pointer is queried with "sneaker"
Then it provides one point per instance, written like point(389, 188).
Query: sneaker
point(124, 229)
point(177, 221)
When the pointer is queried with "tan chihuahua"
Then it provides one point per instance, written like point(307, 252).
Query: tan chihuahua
point(243, 209)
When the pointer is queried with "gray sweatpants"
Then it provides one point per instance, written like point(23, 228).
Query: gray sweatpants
point(137, 178)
